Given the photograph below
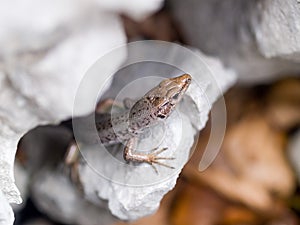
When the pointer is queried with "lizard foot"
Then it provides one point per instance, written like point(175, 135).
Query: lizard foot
point(151, 158)
point(154, 158)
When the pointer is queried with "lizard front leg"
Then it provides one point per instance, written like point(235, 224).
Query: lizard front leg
point(151, 158)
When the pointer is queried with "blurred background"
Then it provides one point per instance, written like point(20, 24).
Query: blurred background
point(47, 45)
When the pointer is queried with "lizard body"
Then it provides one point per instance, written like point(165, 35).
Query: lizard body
point(154, 106)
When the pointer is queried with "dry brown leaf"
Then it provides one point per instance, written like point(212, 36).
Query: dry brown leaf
point(195, 206)
point(283, 104)
point(199, 205)
point(159, 26)
point(251, 167)
point(238, 215)
point(256, 151)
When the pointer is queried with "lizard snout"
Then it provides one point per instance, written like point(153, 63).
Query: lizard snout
point(183, 80)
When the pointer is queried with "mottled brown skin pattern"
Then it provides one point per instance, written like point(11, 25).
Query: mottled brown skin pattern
point(154, 106)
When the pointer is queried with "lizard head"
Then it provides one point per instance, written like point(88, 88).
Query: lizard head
point(164, 97)
point(159, 102)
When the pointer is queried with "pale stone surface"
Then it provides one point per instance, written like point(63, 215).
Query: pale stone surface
point(46, 47)
point(132, 192)
point(57, 75)
point(278, 30)
point(45, 50)
point(15, 118)
point(135, 191)
point(6, 213)
point(32, 24)
point(22, 180)
point(135, 9)
point(49, 183)
point(29, 93)
point(41, 65)
point(56, 195)
point(227, 29)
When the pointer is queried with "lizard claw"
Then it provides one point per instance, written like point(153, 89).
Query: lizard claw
point(153, 158)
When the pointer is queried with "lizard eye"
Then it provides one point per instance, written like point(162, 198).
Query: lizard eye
point(175, 97)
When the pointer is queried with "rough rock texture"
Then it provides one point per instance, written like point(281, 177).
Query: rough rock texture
point(6, 213)
point(49, 183)
point(135, 191)
point(45, 50)
point(278, 29)
point(21, 179)
point(33, 79)
point(132, 191)
point(44, 55)
point(55, 194)
point(241, 33)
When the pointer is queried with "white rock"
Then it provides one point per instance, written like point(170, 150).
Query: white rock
point(28, 24)
point(13, 111)
point(46, 47)
point(22, 180)
point(278, 29)
point(63, 66)
point(6, 213)
point(135, 191)
point(134, 8)
point(58, 198)
point(227, 29)
point(41, 65)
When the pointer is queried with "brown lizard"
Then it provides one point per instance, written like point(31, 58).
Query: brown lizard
point(126, 126)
